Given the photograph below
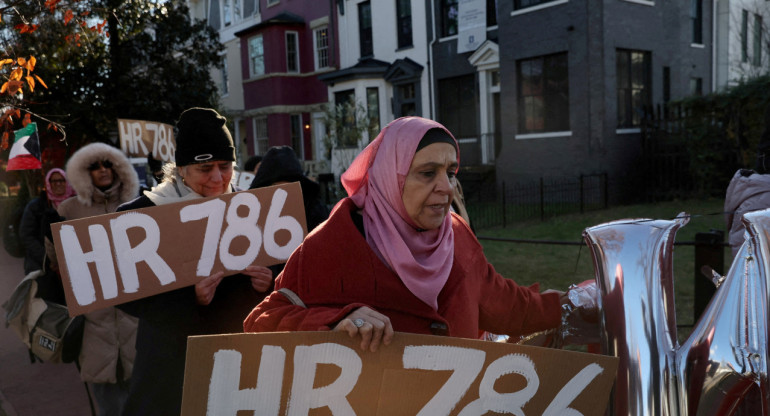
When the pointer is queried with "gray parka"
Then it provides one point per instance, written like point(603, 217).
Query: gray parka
point(747, 191)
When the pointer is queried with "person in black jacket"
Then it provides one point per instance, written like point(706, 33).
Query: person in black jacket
point(204, 164)
point(281, 165)
point(36, 217)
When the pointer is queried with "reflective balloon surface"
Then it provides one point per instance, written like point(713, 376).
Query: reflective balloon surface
point(723, 362)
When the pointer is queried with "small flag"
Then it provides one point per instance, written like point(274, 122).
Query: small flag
point(25, 153)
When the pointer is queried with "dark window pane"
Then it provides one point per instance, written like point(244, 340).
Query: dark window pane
point(696, 14)
point(373, 110)
point(491, 13)
point(404, 11)
point(345, 101)
point(214, 17)
point(449, 10)
point(292, 52)
point(457, 105)
point(365, 28)
point(757, 53)
point(634, 86)
point(543, 94)
point(744, 36)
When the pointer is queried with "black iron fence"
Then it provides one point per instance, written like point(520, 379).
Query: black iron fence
point(540, 199)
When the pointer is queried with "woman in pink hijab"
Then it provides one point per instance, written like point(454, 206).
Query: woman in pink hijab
point(393, 257)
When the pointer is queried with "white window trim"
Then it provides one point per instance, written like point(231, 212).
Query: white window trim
point(315, 47)
point(252, 73)
point(642, 2)
point(543, 135)
point(630, 130)
point(317, 23)
point(538, 7)
point(296, 50)
point(254, 121)
point(271, 3)
point(697, 45)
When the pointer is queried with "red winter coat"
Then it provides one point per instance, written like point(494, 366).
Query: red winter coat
point(335, 271)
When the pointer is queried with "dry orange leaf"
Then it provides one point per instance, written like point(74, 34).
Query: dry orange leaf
point(21, 61)
point(31, 63)
point(51, 4)
point(68, 16)
point(41, 82)
point(31, 83)
point(16, 74)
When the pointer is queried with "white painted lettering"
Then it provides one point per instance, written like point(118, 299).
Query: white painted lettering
point(568, 393)
point(214, 211)
point(225, 397)
point(77, 262)
point(126, 142)
point(506, 403)
point(304, 397)
point(466, 364)
point(275, 222)
point(147, 251)
point(241, 226)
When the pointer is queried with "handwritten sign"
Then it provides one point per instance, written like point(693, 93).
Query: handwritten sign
point(242, 179)
point(111, 259)
point(138, 138)
point(303, 373)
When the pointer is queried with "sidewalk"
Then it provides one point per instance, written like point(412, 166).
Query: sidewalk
point(28, 389)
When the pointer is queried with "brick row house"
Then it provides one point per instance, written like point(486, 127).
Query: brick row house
point(530, 88)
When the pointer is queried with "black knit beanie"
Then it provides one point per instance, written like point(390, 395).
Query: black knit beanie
point(202, 136)
point(279, 164)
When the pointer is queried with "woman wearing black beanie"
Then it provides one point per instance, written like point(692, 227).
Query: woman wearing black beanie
point(204, 162)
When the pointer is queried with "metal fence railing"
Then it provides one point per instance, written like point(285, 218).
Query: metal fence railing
point(541, 199)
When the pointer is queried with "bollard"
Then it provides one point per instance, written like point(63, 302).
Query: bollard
point(709, 251)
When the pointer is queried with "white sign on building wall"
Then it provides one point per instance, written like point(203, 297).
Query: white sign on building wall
point(472, 25)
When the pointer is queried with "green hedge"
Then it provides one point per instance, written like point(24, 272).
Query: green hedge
point(727, 121)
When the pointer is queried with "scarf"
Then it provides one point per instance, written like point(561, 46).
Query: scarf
point(57, 199)
point(174, 190)
point(375, 183)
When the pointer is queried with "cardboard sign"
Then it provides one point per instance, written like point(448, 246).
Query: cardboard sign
point(110, 259)
point(138, 138)
point(323, 373)
point(242, 179)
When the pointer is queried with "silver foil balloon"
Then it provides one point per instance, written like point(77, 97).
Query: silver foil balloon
point(723, 365)
point(632, 260)
point(726, 356)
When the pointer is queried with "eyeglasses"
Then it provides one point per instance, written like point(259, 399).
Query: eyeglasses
point(95, 166)
point(55, 181)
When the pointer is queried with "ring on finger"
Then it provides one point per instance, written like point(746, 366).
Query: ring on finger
point(358, 322)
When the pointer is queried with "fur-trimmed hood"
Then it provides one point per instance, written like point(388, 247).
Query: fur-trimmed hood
point(80, 178)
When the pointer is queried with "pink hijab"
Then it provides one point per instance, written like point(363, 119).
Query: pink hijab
point(56, 199)
point(375, 182)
